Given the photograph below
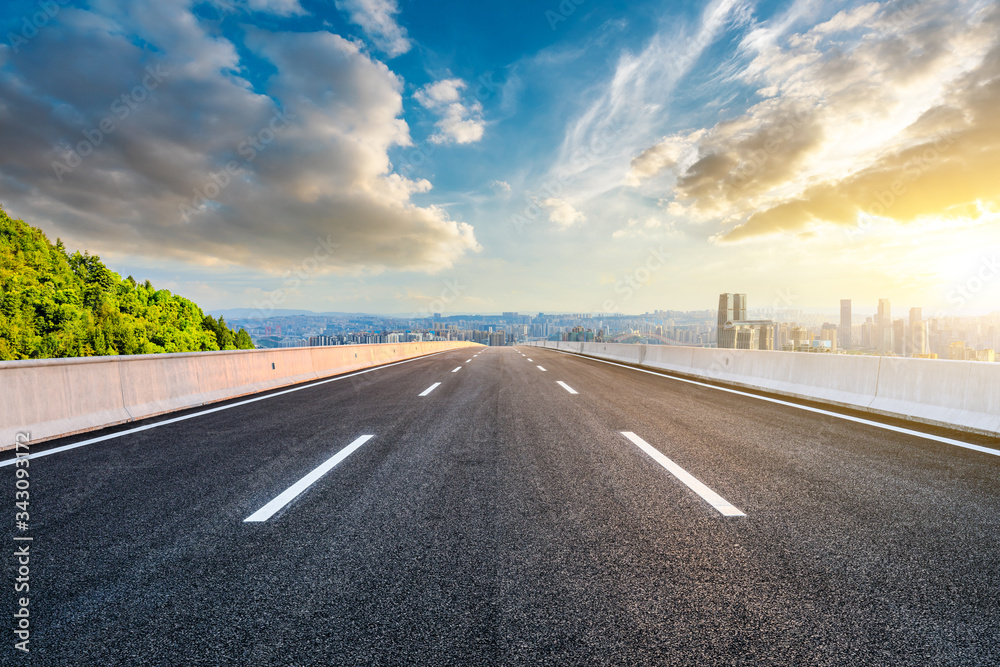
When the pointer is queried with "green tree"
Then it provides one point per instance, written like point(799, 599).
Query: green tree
point(57, 304)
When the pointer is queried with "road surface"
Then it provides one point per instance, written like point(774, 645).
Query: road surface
point(516, 507)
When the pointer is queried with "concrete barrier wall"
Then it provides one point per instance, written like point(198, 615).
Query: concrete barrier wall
point(957, 394)
point(963, 392)
point(49, 398)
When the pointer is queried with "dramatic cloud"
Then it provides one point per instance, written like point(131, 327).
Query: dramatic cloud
point(879, 111)
point(665, 155)
point(950, 170)
point(190, 161)
point(457, 123)
point(375, 17)
point(632, 104)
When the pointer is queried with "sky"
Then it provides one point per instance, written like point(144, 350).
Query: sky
point(395, 156)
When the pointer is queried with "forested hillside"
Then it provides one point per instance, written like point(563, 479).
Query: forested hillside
point(56, 304)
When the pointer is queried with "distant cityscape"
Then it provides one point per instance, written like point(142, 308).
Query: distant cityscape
point(970, 339)
point(733, 325)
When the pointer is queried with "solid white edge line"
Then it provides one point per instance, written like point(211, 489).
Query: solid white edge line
point(711, 497)
point(566, 387)
point(265, 512)
point(430, 388)
point(541, 369)
point(174, 420)
point(457, 369)
point(858, 420)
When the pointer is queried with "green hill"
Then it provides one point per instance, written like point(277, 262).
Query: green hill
point(53, 304)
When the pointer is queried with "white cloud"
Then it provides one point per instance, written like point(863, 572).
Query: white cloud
point(846, 104)
point(500, 186)
point(562, 213)
point(446, 91)
point(665, 155)
point(457, 122)
point(645, 228)
point(849, 19)
point(279, 7)
point(376, 18)
point(312, 176)
point(600, 144)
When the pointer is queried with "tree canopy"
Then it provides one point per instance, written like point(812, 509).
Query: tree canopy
point(56, 304)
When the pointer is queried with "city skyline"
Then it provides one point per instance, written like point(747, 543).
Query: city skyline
point(571, 156)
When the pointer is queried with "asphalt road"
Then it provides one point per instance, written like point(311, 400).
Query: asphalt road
point(502, 520)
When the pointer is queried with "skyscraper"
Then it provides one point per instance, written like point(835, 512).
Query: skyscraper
point(899, 337)
point(883, 327)
point(726, 333)
point(765, 337)
point(829, 332)
point(844, 338)
point(739, 306)
point(746, 338)
point(916, 343)
point(725, 309)
point(799, 337)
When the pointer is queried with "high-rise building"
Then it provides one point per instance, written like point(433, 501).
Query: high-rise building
point(726, 309)
point(799, 337)
point(917, 340)
point(726, 334)
point(746, 338)
point(899, 337)
point(883, 327)
point(739, 307)
point(844, 337)
point(765, 337)
point(733, 326)
point(783, 338)
point(829, 332)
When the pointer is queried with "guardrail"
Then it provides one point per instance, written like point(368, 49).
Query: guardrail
point(964, 395)
point(50, 398)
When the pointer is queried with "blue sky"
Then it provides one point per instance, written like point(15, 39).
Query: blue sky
point(577, 156)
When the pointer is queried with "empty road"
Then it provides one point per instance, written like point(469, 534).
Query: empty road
point(510, 506)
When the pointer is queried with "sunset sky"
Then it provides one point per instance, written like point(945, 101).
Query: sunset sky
point(398, 156)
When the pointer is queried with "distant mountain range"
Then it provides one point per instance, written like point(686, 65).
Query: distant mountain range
point(258, 314)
